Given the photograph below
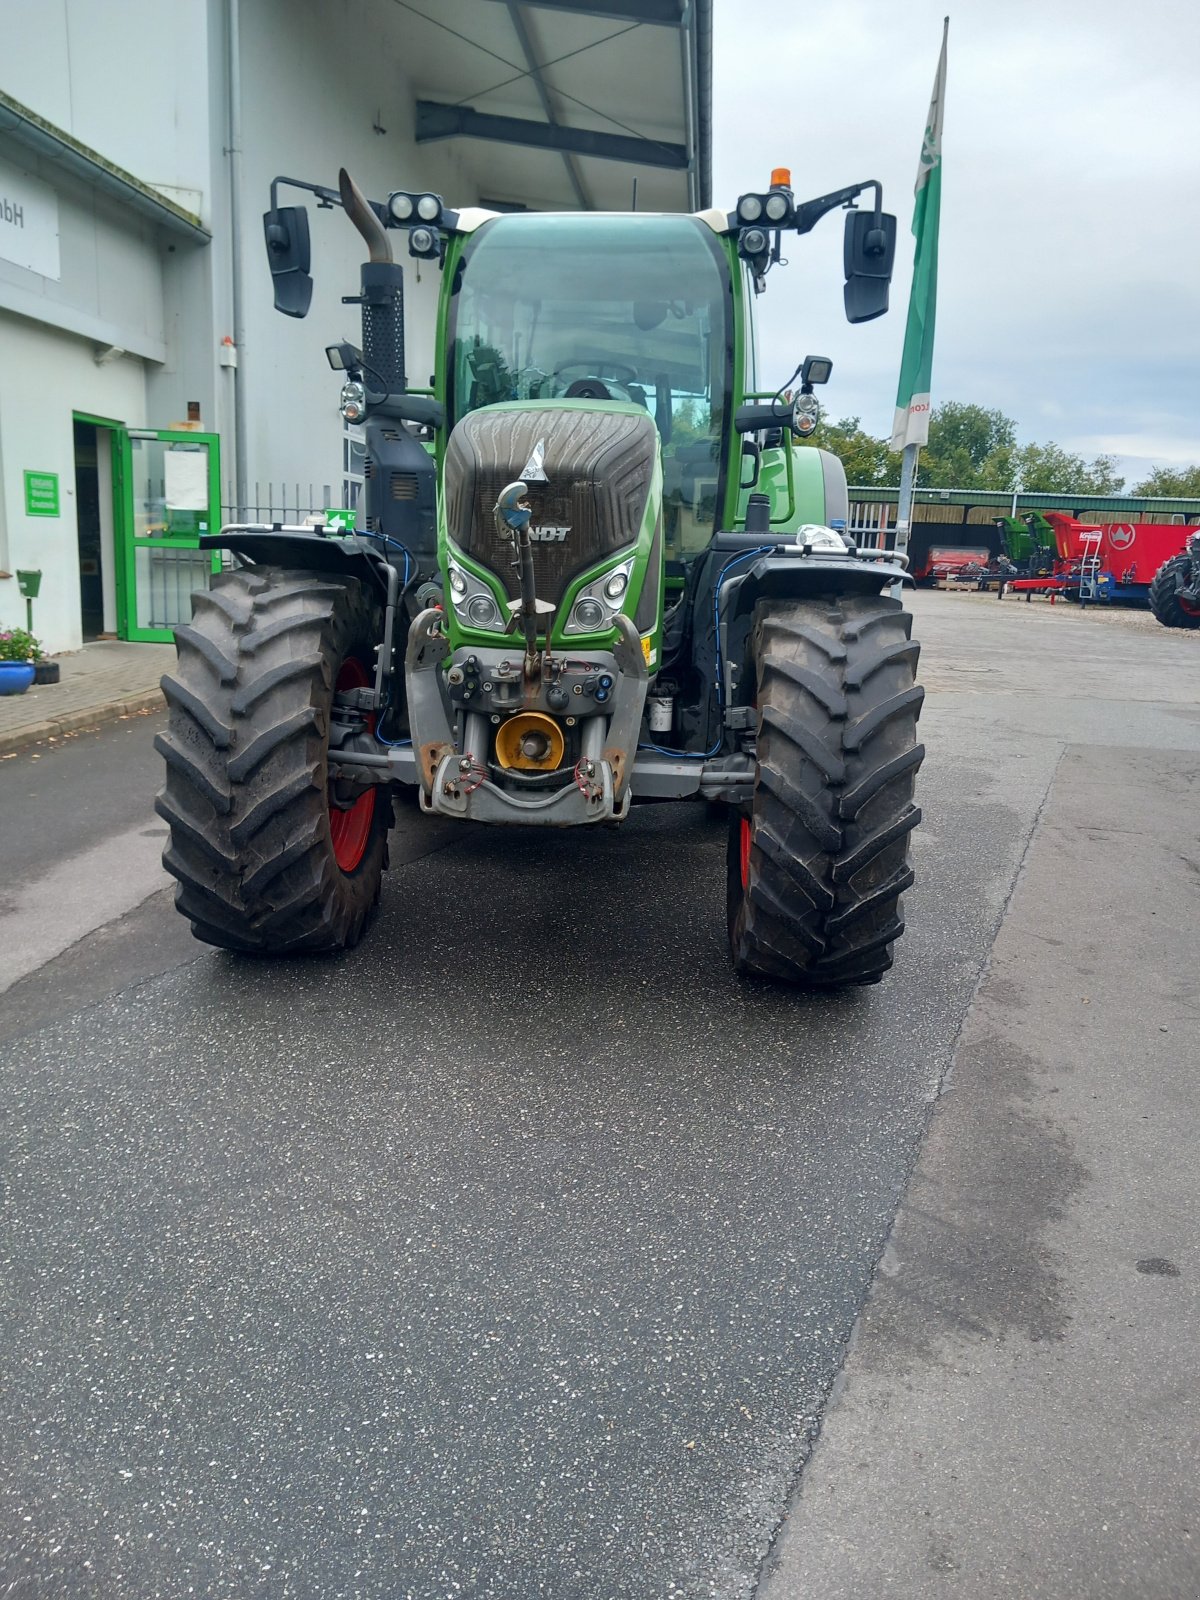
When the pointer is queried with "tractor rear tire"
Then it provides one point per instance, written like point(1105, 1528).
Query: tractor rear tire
point(1165, 602)
point(818, 864)
point(270, 857)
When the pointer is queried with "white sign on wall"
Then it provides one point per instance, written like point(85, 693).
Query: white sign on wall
point(28, 222)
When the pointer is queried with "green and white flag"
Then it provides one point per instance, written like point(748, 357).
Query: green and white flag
point(916, 366)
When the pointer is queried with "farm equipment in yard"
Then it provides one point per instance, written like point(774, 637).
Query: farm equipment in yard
point(1103, 561)
point(598, 568)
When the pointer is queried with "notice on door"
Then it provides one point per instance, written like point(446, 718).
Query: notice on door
point(186, 474)
point(28, 222)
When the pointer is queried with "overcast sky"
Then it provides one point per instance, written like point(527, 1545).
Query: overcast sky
point(1069, 285)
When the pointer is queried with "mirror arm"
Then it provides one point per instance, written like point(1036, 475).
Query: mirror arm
point(811, 212)
point(326, 197)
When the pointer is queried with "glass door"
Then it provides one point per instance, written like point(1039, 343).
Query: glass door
point(169, 489)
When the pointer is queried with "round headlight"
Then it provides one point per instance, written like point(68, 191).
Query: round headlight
point(458, 584)
point(749, 208)
point(777, 207)
point(616, 585)
point(429, 208)
point(589, 613)
point(401, 207)
point(754, 242)
point(481, 610)
point(423, 241)
point(353, 402)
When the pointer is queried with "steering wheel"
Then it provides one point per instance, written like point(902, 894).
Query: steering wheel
point(616, 370)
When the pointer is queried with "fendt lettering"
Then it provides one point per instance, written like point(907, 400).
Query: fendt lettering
point(690, 636)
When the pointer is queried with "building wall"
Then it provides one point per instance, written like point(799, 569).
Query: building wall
point(323, 85)
point(305, 114)
point(58, 376)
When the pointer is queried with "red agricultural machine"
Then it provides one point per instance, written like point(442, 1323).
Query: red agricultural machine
point(1102, 561)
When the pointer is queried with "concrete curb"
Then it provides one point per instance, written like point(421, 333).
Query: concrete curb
point(80, 721)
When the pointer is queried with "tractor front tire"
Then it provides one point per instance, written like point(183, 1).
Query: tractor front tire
point(1165, 603)
point(818, 864)
point(271, 857)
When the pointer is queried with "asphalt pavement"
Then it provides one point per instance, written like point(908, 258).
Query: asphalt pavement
point(518, 1252)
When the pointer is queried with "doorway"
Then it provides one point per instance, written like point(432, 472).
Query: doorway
point(94, 521)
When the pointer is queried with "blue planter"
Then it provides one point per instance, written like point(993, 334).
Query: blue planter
point(15, 676)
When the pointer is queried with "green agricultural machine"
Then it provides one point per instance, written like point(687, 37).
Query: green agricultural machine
point(596, 567)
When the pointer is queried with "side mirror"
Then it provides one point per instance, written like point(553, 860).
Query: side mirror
point(286, 232)
point(868, 254)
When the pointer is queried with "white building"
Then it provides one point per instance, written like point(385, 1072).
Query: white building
point(138, 141)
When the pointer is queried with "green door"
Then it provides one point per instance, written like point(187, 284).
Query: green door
point(168, 492)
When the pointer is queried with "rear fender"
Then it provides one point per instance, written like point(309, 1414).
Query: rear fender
point(278, 545)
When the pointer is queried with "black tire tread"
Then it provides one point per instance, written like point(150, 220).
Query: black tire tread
point(1163, 600)
point(833, 809)
point(245, 751)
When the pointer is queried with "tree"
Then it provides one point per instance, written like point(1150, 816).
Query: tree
point(1171, 483)
point(867, 460)
point(974, 447)
point(1048, 469)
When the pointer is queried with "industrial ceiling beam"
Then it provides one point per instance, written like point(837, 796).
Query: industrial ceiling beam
point(539, 83)
point(664, 13)
point(436, 121)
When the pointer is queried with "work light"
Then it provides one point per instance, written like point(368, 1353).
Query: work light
point(401, 207)
point(429, 208)
point(749, 208)
point(777, 207)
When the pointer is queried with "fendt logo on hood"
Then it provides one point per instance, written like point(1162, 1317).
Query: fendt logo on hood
point(549, 535)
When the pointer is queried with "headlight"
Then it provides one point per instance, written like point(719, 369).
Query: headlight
point(749, 208)
point(429, 208)
point(754, 242)
point(777, 207)
point(807, 415)
point(401, 207)
point(598, 602)
point(353, 402)
point(423, 242)
point(471, 598)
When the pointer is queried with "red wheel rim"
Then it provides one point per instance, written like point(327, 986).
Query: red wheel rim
point(744, 851)
point(1188, 607)
point(350, 830)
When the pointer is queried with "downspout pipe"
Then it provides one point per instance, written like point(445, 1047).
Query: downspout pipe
point(703, 27)
point(234, 78)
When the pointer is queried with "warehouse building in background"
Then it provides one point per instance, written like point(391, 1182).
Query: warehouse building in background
point(147, 388)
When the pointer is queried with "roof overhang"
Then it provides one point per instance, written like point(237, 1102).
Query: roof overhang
point(564, 104)
point(25, 127)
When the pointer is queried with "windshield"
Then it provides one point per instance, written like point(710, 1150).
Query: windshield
point(605, 307)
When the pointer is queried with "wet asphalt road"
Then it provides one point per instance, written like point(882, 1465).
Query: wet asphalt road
point(512, 1255)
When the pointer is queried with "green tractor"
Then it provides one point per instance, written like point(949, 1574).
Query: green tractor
point(596, 567)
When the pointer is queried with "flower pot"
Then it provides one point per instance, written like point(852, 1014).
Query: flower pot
point(15, 676)
point(45, 672)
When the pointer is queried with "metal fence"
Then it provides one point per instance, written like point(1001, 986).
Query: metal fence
point(281, 502)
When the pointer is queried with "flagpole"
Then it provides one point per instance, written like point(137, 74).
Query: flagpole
point(908, 479)
point(910, 429)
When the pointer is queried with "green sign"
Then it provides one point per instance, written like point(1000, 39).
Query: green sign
point(340, 518)
point(41, 494)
